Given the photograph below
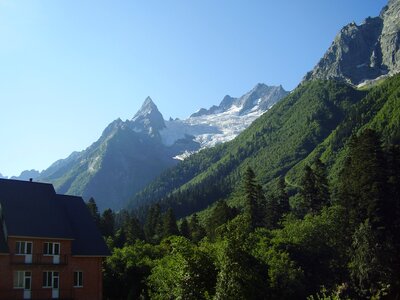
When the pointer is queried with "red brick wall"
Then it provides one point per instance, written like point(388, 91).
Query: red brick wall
point(90, 266)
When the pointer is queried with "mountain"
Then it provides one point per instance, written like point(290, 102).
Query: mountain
point(129, 154)
point(27, 174)
point(224, 122)
point(315, 120)
point(273, 144)
point(148, 119)
point(363, 52)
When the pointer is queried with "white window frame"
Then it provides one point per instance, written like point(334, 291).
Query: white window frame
point(79, 279)
point(21, 247)
point(50, 275)
point(19, 279)
point(50, 248)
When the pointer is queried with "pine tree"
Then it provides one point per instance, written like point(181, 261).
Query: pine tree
point(133, 230)
point(221, 214)
point(321, 183)
point(277, 205)
point(255, 200)
point(363, 181)
point(197, 231)
point(169, 224)
point(153, 224)
point(184, 229)
point(94, 211)
point(314, 187)
point(107, 223)
point(308, 191)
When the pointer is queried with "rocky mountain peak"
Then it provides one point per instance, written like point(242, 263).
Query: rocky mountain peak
point(363, 52)
point(148, 118)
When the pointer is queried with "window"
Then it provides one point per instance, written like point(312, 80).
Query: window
point(78, 279)
point(22, 280)
point(50, 279)
point(23, 247)
point(51, 249)
point(19, 277)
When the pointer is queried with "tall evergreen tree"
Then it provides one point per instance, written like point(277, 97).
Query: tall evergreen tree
point(314, 187)
point(277, 204)
point(153, 224)
point(363, 180)
point(107, 223)
point(308, 191)
point(169, 224)
point(220, 214)
point(255, 199)
point(184, 229)
point(321, 183)
point(197, 231)
point(94, 211)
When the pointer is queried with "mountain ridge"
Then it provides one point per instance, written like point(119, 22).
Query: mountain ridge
point(129, 154)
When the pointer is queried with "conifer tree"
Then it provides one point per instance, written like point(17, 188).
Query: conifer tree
point(277, 205)
point(94, 211)
point(321, 183)
point(255, 199)
point(308, 191)
point(363, 180)
point(197, 231)
point(153, 224)
point(107, 223)
point(133, 230)
point(221, 214)
point(314, 187)
point(184, 229)
point(169, 224)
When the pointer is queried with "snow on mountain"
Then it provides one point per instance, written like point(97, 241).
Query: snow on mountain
point(222, 123)
point(148, 118)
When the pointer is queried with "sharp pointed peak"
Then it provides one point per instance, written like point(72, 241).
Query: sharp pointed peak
point(148, 100)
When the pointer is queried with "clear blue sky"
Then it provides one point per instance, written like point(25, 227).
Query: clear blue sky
point(68, 68)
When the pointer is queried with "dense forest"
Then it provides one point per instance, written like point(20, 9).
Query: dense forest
point(327, 246)
point(305, 204)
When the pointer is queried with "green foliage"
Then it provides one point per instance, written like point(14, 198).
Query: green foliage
point(363, 181)
point(273, 144)
point(316, 248)
point(126, 270)
point(314, 188)
point(169, 224)
point(153, 227)
point(196, 230)
point(185, 272)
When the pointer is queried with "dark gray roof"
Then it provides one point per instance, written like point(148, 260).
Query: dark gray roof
point(88, 240)
point(34, 209)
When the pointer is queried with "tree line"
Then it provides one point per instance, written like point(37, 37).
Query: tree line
point(326, 239)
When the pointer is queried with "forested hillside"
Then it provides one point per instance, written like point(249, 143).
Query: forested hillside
point(273, 144)
point(344, 245)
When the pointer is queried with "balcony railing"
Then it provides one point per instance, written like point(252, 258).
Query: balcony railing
point(38, 259)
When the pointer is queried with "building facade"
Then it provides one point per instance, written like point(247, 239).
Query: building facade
point(50, 247)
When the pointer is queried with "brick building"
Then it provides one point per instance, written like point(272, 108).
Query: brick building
point(50, 247)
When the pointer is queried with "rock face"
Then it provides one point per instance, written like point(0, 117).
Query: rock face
point(148, 118)
point(363, 52)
